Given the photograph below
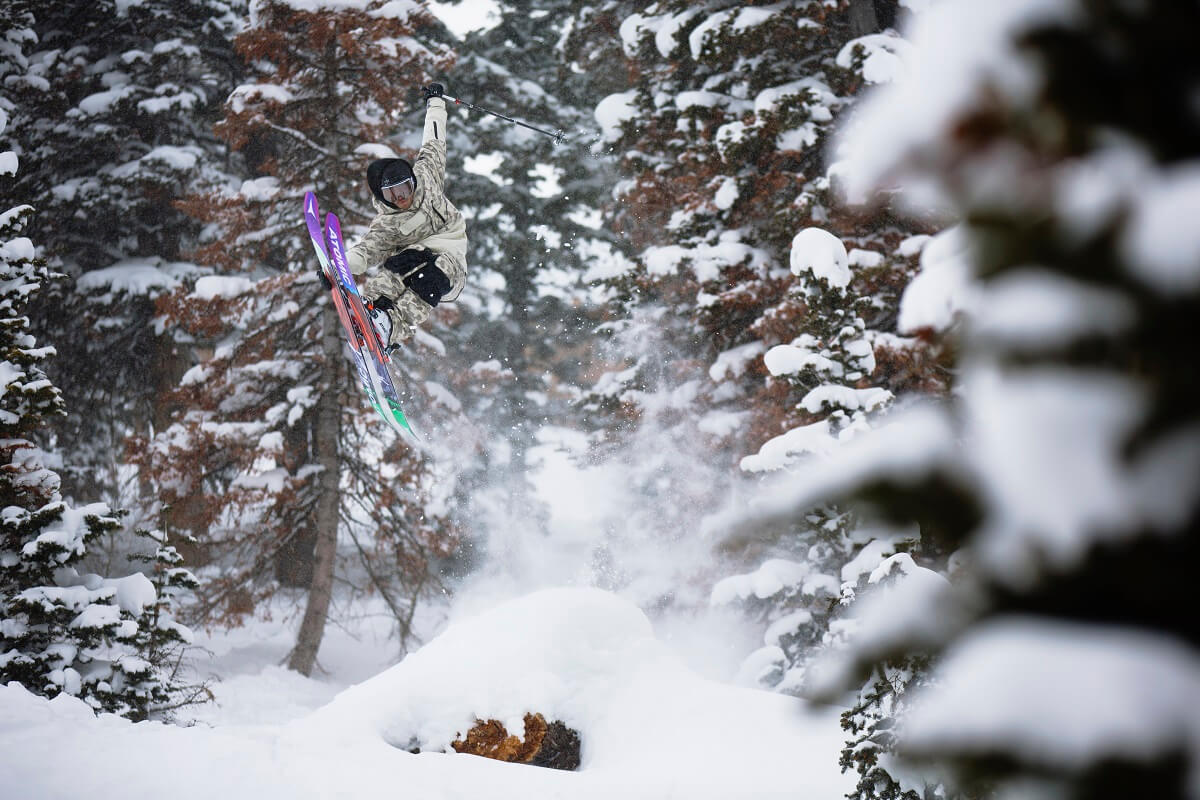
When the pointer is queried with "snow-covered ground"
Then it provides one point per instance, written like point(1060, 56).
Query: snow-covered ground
point(652, 699)
point(650, 726)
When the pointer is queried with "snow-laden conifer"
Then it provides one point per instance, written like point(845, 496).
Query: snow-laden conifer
point(60, 631)
point(118, 100)
point(1064, 466)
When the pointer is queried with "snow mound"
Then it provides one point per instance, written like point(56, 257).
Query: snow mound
point(567, 640)
point(649, 727)
point(590, 659)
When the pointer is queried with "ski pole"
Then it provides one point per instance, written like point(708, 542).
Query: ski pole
point(558, 136)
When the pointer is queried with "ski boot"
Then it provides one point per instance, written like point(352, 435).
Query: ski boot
point(381, 320)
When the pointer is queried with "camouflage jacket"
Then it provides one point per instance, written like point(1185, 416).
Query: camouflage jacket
point(431, 221)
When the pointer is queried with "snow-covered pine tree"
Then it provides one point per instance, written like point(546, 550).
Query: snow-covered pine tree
point(725, 140)
point(1066, 462)
point(115, 123)
point(60, 631)
point(272, 452)
point(804, 600)
point(829, 363)
point(726, 135)
point(161, 639)
point(883, 697)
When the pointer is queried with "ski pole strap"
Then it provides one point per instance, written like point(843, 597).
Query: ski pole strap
point(558, 136)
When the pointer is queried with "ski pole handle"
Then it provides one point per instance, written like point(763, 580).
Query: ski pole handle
point(558, 135)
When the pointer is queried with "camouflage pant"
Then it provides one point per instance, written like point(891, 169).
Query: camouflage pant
point(408, 311)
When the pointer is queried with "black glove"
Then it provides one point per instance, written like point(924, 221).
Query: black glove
point(432, 90)
point(430, 283)
point(407, 261)
point(417, 268)
point(325, 280)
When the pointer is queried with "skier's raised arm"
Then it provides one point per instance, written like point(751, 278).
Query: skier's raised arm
point(431, 161)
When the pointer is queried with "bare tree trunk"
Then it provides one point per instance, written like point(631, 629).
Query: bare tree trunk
point(862, 17)
point(327, 434)
point(312, 627)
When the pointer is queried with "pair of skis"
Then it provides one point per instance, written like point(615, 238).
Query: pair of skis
point(367, 352)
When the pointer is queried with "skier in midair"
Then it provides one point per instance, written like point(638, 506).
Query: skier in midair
point(417, 235)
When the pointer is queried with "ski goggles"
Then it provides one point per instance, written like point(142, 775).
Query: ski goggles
point(398, 192)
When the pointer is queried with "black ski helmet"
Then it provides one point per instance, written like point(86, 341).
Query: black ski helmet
point(389, 170)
